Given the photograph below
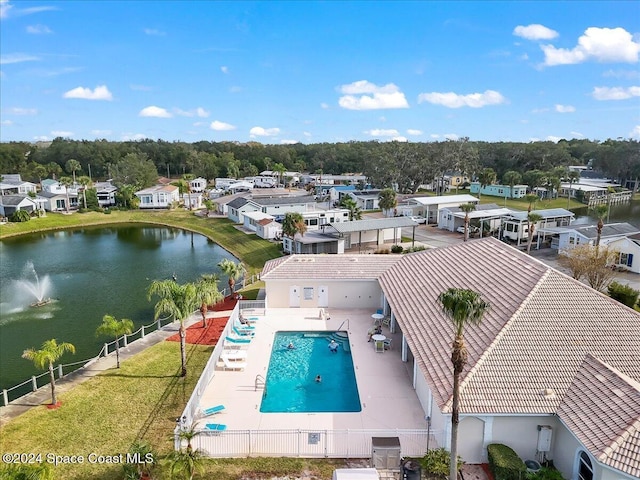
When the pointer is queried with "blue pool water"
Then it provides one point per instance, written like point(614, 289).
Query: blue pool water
point(291, 386)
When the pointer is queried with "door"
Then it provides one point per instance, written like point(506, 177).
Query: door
point(471, 438)
point(323, 296)
point(294, 296)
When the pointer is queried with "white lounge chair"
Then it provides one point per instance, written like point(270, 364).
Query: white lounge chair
point(230, 364)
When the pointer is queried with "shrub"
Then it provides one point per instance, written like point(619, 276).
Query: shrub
point(505, 464)
point(382, 251)
point(623, 293)
point(397, 249)
point(20, 216)
point(436, 463)
point(546, 473)
point(107, 211)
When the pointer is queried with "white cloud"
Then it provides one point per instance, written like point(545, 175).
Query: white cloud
point(153, 111)
point(23, 111)
point(451, 136)
point(6, 123)
point(364, 95)
point(221, 126)
point(198, 112)
point(324, 106)
point(39, 30)
point(577, 134)
point(399, 139)
point(101, 92)
point(553, 138)
point(101, 133)
point(615, 93)
point(307, 134)
point(61, 133)
point(154, 32)
point(628, 74)
point(598, 44)
point(17, 58)
point(128, 137)
point(412, 131)
point(435, 136)
point(565, 108)
point(454, 100)
point(635, 133)
point(4, 8)
point(41, 138)
point(288, 142)
point(7, 10)
point(263, 132)
point(224, 69)
point(535, 31)
point(379, 132)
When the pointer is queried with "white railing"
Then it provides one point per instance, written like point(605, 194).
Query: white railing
point(311, 443)
point(107, 349)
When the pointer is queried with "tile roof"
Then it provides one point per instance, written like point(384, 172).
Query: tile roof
point(540, 325)
point(602, 408)
point(328, 267)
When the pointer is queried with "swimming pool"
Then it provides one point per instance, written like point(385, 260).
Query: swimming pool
point(291, 385)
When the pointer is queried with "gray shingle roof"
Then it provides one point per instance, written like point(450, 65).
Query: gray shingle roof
point(373, 224)
point(539, 328)
point(295, 200)
point(13, 200)
point(602, 408)
point(328, 267)
point(237, 202)
point(609, 230)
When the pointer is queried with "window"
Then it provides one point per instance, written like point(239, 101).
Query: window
point(308, 293)
point(585, 469)
point(313, 221)
point(626, 259)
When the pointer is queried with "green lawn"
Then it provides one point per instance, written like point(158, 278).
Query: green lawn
point(252, 250)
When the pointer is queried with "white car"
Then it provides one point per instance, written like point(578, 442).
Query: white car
point(472, 229)
point(418, 219)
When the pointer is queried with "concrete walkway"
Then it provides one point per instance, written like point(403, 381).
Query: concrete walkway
point(42, 396)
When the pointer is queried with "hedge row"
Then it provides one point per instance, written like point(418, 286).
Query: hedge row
point(505, 464)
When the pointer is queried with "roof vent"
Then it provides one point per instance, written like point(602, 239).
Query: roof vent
point(618, 392)
point(600, 377)
point(353, 259)
point(549, 393)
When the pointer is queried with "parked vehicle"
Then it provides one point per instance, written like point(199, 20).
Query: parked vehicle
point(419, 219)
point(472, 229)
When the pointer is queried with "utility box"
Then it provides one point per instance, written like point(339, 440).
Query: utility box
point(545, 432)
point(385, 453)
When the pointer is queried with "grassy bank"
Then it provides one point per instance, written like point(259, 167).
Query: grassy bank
point(252, 250)
point(141, 400)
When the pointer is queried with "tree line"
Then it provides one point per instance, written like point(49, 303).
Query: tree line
point(402, 164)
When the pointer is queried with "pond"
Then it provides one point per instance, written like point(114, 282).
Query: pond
point(88, 273)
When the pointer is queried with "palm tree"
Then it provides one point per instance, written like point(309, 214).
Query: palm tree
point(178, 301)
point(187, 178)
point(531, 199)
point(532, 220)
point(232, 270)
point(467, 208)
point(292, 224)
point(511, 178)
point(73, 166)
point(572, 176)
point(387, 200)
point(280, 169)
point(183, 187)
point(463, 307)
point(186, 463)
point(85, 182)
point(208, 294)
point(50, 352)
point(66, 182)
point(599, 211)
point(115, 328)
point(350, 204)
point(487, 177)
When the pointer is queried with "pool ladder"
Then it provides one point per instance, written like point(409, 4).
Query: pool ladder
point(344, 321)
point(260, 382)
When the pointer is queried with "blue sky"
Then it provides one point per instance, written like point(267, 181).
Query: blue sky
point(285, 72)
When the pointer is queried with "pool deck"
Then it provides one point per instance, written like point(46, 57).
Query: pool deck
point(384, 382)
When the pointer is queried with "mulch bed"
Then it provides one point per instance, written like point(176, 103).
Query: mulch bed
point(196, 335)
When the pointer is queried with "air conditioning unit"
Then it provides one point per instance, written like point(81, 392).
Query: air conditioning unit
point(544, 438)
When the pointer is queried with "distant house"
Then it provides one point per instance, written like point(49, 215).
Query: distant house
point(268, 229)
point(106, 193)
point(192, 200)
point(311, 243)
point(629, 252)
point(198, 184)
point(371, 232)
point(10, 204)
point(252, 219)
point(429, 207)
point(337, 192)
point(237, 207)
point(57, 202)
point(588, 234)
point(158, 196)
point(515, 225)
point(316, 218)
point(487, 216)
point(503, 191)
point(282, 205)
point(366, 199)
point(12, 184)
